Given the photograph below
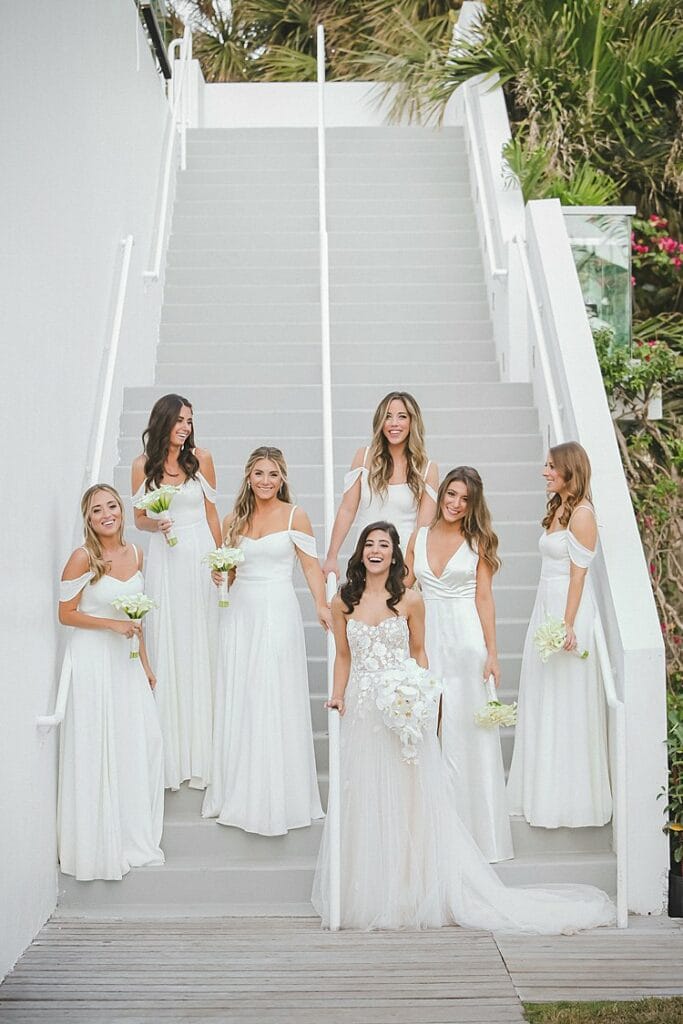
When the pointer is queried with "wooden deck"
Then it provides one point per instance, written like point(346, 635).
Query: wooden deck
point(269, 970)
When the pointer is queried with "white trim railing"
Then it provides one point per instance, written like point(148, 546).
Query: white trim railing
point(177, 127)
point(334, 725)
point(495, 256)
point(93, 470)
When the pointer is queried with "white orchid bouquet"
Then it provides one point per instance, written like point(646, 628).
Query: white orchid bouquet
point(408, 697)
point(222, 560)
point(494, 711)
point(135, 606)
point(156, 504)
point(550, 637)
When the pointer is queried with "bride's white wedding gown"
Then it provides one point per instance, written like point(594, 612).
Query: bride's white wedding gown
point(407, 861)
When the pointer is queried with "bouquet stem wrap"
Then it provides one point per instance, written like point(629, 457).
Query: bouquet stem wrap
point(222, 560)
point(223, 591)
point(135, 607)
point(134, 646)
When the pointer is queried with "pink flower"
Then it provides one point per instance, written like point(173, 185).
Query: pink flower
point(648, 523)
point(652, 343)
point(677, 262)
point(680, 246)
point(633, 281)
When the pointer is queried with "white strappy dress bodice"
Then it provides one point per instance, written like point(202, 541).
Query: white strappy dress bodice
point(560, 771)
point(263, 771)
point(407, 860)
point(111, 796)
point(454, 641)
point(183, 635)
point(397, 506)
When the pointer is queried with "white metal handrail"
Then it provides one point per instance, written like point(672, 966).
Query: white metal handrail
point(334, 793)
point(178, 120)
point(480, 179)
point(47, 722)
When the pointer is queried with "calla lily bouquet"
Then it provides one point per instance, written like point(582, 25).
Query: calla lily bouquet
point(408, 697)
point(550, 637)
point(222, 560)
point(494, 712)
point(156, 504)
point(135, 606)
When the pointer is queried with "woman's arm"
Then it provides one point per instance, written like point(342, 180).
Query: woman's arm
point(342, 657)
point(208, 471)
point(312, 571)
point(486, 609)
point(427, 509)
point(415, 613)
point(409, 559)
point(344, 519)
point(142, 520)
point(585, 529)
point(69, 615)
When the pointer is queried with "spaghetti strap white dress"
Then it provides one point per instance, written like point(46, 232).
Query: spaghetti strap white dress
point(183, 634)
point(559, 775)
point(264, 775)
point(111, 784)
point(407, 860)
point(454, 642)
point(398, 506)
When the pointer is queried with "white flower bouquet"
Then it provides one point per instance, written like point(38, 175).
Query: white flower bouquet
point(222, 560)
point(156, 504)
point(135, 606)
point(550, 637)
point(494, 712)
point(408, 697)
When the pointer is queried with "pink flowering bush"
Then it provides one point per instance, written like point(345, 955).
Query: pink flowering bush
point(657, 260)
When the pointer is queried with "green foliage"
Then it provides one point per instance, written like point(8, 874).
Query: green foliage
point(632, 1011)
point(657, 265)
point(531, 167)
point(674, 805)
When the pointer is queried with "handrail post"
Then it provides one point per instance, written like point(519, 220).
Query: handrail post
point(334, 794)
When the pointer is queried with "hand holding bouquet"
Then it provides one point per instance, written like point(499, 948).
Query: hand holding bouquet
point(156, 504)
point(550, 637)
point(494, 712)
point(408, 697)
point(222, 560)
point(135, 606)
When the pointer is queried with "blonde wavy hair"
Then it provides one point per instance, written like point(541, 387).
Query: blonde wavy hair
point(245, 502)
point(381, 463)
point(476, 526)
point(91, 541)
point(572, 463)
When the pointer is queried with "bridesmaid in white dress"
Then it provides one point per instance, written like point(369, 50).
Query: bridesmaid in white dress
point(111, 783)
point(454, 560)
point(392, 479)
point(559, 775)
point(183, 633)
point(407, 861)
point(264, 776)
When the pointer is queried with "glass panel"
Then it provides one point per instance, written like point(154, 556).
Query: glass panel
point(601, 246)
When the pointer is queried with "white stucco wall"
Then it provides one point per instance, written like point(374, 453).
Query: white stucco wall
point(82, 131)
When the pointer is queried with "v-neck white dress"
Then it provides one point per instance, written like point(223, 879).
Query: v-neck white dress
point(263, 775)
point(454, 642)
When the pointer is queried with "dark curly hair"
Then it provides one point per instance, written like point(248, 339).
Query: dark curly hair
point(155, 441)
point(354, 586)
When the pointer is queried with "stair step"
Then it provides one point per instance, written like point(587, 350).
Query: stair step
point(354, 333)
point(254, 357)
point(227, 292)
point(194, 372)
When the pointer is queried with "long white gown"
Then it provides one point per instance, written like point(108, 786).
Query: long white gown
point(398, 506)
point(454, 642)
point(407, 861)
point(264, 776)
point(111, 785)
point(182, 636)
point(560, 770)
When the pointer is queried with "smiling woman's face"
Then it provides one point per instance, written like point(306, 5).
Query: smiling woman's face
point(377, 552)
point(104, 514)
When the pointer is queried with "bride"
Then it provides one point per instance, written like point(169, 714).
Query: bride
point(407, 861)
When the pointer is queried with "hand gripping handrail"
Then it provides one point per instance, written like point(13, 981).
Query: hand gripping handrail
point(333, 799)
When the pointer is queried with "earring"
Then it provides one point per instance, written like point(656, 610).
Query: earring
point(393, 561)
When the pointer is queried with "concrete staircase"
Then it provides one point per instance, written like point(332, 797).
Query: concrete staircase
point(240, 337)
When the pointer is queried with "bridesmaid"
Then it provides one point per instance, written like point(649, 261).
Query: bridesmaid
point(559, 775)
point(111, 777)
point(183, 632)
point(263, 776)
point(392, 479)
point(454, 561)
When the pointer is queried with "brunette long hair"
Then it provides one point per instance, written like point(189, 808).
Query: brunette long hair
point(155, 440)
point(354, 586)
point(91, 542)
point(381, 464)
point(476, 526)
point(572, 463)
point(245, 502)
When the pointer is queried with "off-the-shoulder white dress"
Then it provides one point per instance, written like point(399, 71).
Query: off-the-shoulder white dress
point(263, 773)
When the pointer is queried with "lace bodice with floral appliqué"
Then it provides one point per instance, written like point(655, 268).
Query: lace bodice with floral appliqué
point(374, 649)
